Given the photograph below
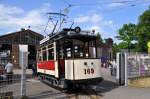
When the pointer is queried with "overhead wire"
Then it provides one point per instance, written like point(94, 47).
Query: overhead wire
point(126, 3)
point(98, 3)
point(125, 6)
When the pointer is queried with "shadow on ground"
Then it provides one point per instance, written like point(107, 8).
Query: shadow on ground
point(46, 94)
point(106, 86)
point(103, 87)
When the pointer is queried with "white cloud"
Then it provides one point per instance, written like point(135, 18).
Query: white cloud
point(98, 23)
point(109, 23)
point(10, 10)
point(95, 18)
point(115, 4)
point(96, 28)
point(82, 19)
point(14, 18)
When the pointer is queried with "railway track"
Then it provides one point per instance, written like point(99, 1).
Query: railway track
point(86, 92)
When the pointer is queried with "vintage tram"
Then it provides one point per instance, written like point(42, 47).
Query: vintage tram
point(69, 58)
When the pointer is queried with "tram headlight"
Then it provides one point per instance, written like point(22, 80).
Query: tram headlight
point(77, 29)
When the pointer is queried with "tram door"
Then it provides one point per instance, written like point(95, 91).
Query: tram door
point(64, 52)
point(61, 62)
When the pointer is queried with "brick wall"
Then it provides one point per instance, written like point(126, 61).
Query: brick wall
point(15, 55)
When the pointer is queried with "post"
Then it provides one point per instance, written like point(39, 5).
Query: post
point(138, 63)
point(126, 69)
point(24, 62)
point(117, 68)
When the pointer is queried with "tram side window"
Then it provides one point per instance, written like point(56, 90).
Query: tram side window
point(51, 54)
point(39, 56)
point(44, 55)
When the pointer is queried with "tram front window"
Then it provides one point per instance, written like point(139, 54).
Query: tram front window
point(68, 52)
point(81, 51)
point(78, 51)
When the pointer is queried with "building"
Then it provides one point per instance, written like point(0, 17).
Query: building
point(105, 49)
point(9, 46)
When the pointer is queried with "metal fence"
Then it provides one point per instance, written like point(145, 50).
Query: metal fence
point(10, 86)
point(138, 64)
point(14, 87)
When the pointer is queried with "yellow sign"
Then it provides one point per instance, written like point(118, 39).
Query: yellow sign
point(148, 44)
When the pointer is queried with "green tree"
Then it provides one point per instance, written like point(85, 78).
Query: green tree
point(127, 34)
point(122, 45)
point(143, 31)
point(115, 49)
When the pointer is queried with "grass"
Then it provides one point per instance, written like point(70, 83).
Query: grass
point(139, 82)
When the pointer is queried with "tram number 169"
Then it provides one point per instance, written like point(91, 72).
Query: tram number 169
point(89, 71)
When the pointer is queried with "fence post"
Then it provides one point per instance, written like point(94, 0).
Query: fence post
point(138, 61)
point(126, 69)
point(23, 74)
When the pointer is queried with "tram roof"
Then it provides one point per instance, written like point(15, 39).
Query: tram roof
point(70, 34)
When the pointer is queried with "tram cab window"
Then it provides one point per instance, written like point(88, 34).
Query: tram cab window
point(85, 50)
point(78, 51)
point(50, 54)
point(68, 52)
point(92, 52)
point(92, 49)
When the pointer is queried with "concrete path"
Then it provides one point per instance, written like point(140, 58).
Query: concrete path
point(127, 93)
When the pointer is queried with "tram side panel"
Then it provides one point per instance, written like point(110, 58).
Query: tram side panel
point(49, 67)
point(40, 67)
point(46, 67)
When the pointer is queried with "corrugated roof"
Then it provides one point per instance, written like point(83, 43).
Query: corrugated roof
point(28, 30)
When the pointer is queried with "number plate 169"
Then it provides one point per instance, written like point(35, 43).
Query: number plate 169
point(89, 71)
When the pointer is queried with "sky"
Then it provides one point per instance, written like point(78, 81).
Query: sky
point(104, 16)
